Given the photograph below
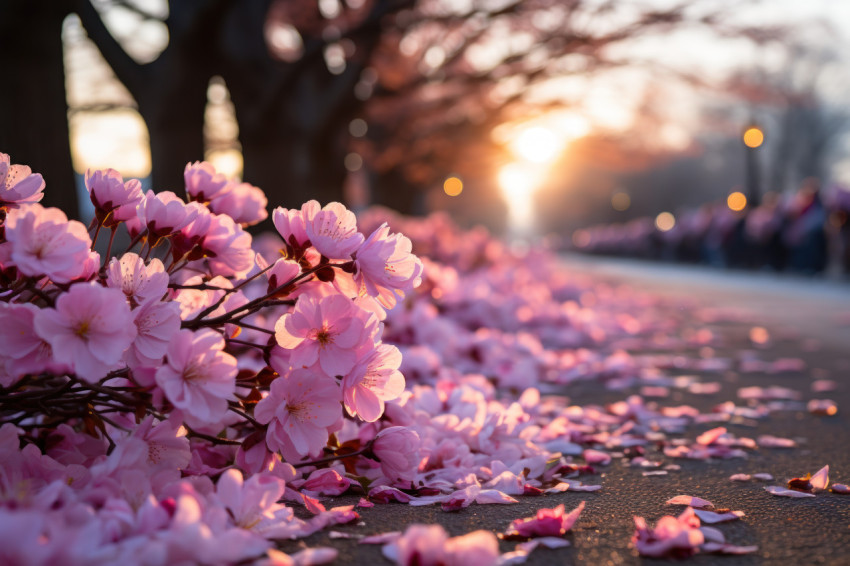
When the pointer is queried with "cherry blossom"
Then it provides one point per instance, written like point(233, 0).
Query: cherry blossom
point(141, 282)
point(114, 200)
point(164, 213)
point(299, 409)
point(291, 225)
point(243, 202)
point(18, 184)
point(547, 522)
point(429, 545)
point(672, 536)
point(198, 377)
point(89, 329)
point(397, 449)
point(202, 182)
point(24, 350)
point(374, 380)
point(386, 267)
point(329, 330)
point(227, 247)
point(45, 243)
point(333, 231)
point(156, 324)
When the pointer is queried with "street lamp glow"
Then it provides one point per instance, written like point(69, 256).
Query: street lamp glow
point(665, 221)
point(537, 145)
point(453, 186)
point(621, 201)
point(736, 201)
point(753, 137)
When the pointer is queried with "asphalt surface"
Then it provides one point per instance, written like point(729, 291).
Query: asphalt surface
point(805, 318)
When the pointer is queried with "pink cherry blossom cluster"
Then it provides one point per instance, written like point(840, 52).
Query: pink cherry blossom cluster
point(188, 355)
point(183, 395)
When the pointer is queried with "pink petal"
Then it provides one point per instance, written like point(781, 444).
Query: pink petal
point(689, 500)
point(783, 492)
point(711, 517)
point(724, 548)
point(494, 496)
point(820, 479)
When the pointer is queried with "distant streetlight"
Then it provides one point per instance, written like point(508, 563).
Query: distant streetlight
point(753, 138)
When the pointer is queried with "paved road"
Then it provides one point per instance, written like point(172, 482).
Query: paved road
point(805, 318)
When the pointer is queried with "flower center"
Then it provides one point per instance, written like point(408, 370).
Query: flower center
point(82, 329)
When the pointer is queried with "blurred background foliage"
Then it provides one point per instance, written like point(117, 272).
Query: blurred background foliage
point(543, 114)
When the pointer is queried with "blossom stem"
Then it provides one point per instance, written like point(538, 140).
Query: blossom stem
point(333, 458)
point(213, 439)
point(227, 317)
point(245, 343)
point(136, 240)
point(109, 247)
point(96, 234)
point(257, 328)
point(244, 415)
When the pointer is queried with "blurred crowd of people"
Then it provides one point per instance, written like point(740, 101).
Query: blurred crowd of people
point(805, 232)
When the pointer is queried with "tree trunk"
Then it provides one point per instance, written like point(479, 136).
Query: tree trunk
point(292, 171)
point(175, 121)
point(33, 107)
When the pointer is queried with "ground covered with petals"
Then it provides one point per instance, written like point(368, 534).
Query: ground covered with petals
point(329, 391)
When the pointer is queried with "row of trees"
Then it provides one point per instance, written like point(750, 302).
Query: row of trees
point(431, 78)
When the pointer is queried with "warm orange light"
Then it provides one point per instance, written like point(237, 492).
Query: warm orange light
point(759, 335)
point(665, 221)
point(753, 137)
point(453, 186)
point(621, 201)
point(736, 201)
point(538, 145)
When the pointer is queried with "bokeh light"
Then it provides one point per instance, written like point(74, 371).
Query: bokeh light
point(358, 127)
point(227, 161)
point(453, 186)
point(665, 221)
point(736, 201)
point(353, 162)
point(537, 144)
point(759, 335)
point(110, 139)
point(753, 137)
point(621, 201)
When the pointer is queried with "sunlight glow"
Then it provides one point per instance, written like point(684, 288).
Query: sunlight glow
point(116, 139)
point(227, 161)
point(537, 144)
point(518, 182)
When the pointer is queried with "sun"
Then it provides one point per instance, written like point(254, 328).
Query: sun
point(536, 144)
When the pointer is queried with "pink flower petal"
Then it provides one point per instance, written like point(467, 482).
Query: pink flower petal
point(690, 500)
point(724, 548)
point(820, 479)
point(711, 517)
point(783, 492)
